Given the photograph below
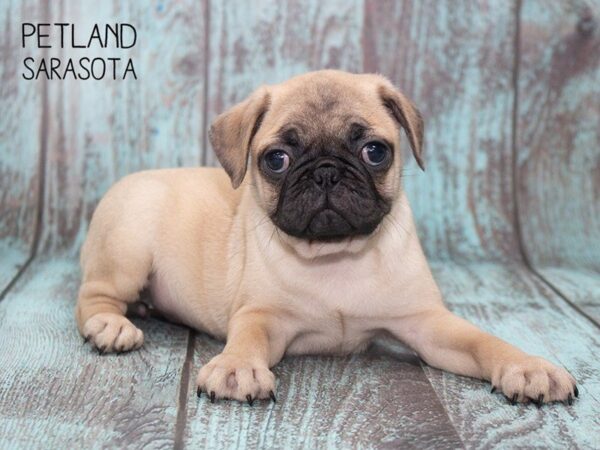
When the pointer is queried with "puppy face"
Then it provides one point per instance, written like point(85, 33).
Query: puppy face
point(324, 153)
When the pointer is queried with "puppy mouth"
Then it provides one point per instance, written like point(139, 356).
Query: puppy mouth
point(328, 225)
point(310, 246)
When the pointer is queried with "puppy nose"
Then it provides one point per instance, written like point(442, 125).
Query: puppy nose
point(326, 175)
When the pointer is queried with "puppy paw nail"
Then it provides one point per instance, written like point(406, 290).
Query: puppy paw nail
point(272, 395)
point(540, 401)
point(536, 380)
point(236, 378)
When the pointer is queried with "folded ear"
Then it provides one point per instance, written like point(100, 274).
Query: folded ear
point(407, 116)
point(231, 133)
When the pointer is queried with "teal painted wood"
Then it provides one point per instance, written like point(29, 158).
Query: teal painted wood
point(455, 60)
point(558, 134)
point(379, 399)
point(21, 109)
point(509, 302)
point(57, 393)
point(559, 146)
point(102, 130)
point(266, 42)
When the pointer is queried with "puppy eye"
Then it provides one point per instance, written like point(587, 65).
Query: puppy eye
point(277, 161)
point(374, 153)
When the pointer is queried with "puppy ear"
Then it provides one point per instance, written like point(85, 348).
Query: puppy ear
point(408, 116)
point(231, 134)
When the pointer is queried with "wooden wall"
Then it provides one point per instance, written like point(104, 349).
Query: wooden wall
point(509, 92)
point(21, 142)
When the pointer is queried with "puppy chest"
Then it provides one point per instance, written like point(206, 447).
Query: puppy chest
point(331, 334)
point(347, 296)
point(339, 313)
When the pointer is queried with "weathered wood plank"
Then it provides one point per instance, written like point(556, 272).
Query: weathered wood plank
point(512, 304)
point(558, 133)
point(377, 399)
point(455, 60)
point(57, 393)
point(21, 110)
point(267, 42)
point(102, 130)
point(559, 145)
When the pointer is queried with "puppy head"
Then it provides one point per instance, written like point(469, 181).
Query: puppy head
point(323, 151)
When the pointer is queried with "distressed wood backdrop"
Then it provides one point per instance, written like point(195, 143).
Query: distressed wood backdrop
point(508, 212)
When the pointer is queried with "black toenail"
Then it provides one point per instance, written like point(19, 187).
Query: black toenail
point(272, 395)
point(250, 399)
point(576, 391)
point(493, 389)
point(199, 392)
point(513, 400)
point(101, 350)
point(86, 339)
point(570, 399)
point(212, 396)
point(540, 401)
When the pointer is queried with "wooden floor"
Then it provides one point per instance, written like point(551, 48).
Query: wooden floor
point(57, 393)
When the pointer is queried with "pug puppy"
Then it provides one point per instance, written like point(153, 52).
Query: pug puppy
point(304, 244)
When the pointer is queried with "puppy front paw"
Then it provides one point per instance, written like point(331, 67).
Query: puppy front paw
point(533, 379)
point(110, 332)
point(234, 377)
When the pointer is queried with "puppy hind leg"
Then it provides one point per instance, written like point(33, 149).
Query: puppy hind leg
point(103, 301)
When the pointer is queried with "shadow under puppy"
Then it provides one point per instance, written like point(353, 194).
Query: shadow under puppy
point(313, 250)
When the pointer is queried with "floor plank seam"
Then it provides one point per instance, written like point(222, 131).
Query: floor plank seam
point(426, 370)
point(184, 382)
point(514, 126)
point(16, 278)
point(204, 131)
point(561, 295)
